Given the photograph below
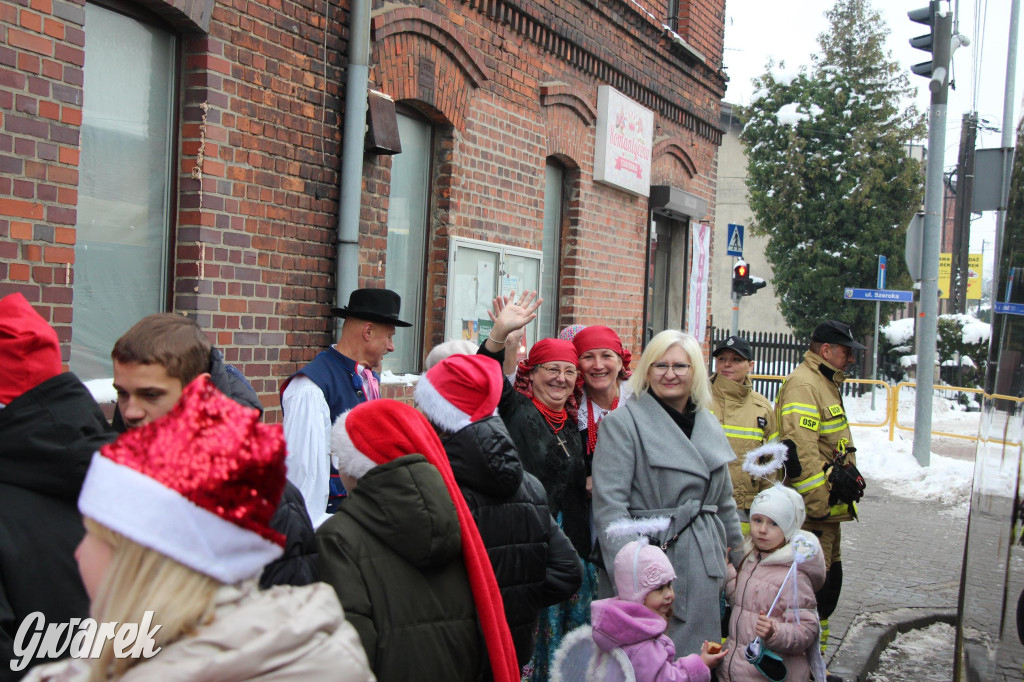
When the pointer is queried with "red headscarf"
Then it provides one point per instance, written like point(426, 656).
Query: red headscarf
point(550, 350)
point(599, 336)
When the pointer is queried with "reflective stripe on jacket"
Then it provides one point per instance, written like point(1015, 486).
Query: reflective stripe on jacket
point(810, 412)
point(748, 420)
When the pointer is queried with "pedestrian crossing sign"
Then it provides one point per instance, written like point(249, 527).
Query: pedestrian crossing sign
point(734, 247)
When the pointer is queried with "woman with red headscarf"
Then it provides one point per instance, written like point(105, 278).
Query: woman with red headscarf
point(604, 366)
point(540, 415)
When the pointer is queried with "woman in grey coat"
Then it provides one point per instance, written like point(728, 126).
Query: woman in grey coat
point(664, 454)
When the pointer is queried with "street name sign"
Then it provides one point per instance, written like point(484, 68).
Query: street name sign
point(1009, 308)
point(889, 295)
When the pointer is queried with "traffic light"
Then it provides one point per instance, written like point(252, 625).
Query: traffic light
point(740, 278)
point(742, 283)
point(937, 42)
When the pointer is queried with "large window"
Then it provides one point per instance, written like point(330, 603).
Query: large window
point(408, 226)
point(554, 181)
point(124, 193)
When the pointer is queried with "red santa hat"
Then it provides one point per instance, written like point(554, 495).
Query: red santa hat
point(381, 431)
point(198, 485)
point(29, 349)
point(460, 390)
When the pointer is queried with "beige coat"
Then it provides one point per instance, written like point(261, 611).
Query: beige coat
point(286, 633)
point(748, 420)
point(810, 412)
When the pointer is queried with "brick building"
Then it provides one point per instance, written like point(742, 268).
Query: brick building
point(187, 155)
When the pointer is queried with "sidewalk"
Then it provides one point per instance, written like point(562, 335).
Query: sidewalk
point(903, 553)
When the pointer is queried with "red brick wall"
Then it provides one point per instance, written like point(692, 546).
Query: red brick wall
point(508, 85)
point(41, 57)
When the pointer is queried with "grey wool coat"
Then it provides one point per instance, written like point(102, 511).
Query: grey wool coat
point(644, 465)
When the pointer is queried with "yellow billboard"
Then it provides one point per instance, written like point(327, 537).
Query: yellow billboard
point(973, 275)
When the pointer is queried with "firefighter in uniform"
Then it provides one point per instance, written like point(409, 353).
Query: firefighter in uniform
point(746, 416)
point(821, 463)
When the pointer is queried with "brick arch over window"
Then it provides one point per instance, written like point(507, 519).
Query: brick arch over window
point(419, 56)
point(570, 122)
point(188, 16)
point(671, 164)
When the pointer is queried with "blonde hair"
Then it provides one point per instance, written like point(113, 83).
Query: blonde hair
point(141, 579)
point(700, 389)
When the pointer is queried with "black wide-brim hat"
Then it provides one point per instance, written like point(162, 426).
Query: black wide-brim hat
point(373, 305)
point(837, 333)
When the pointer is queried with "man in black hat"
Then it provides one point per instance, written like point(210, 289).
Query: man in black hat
point(746, 416)
point(813, 423)
point(335, 381)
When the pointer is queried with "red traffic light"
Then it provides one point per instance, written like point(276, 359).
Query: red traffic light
point(741, 270)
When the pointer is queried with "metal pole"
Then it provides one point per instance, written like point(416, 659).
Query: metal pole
point(927, 322)
point(735, 314)
point(1007, 142)
point(874, 349)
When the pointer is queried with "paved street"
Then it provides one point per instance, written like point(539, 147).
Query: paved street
point(902, 553)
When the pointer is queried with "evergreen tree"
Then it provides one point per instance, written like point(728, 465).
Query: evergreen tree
point(831, 180)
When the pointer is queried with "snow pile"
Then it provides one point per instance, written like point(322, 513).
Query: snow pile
point(898, 332)
point(389, 377)
point(784, 76)
point(924, 655)
point(102, 390)
point(892, 464)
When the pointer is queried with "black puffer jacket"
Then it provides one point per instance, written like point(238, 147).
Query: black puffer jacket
point(47, 438)
point(298, 565)
point(533, 560)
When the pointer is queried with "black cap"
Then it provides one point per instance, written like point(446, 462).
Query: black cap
point(373, 305)
point(836, 333)
point(737, 344)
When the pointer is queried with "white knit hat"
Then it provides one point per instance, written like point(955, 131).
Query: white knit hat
point(782, 505)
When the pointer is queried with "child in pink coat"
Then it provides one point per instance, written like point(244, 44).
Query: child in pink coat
point(790, 629)
point(635, 621)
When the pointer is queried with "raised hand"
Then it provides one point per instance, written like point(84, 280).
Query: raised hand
point(509, 315)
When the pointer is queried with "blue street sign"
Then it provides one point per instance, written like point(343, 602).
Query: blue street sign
point(734, 247)
point(889, 295)
point(881, 272)
point(1009, 308)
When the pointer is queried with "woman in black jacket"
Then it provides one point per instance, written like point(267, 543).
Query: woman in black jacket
point(534, 562)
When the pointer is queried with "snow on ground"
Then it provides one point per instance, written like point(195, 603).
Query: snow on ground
point(892, 465)
point(924, 655)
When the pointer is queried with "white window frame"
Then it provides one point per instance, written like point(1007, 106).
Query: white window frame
point(462, 246)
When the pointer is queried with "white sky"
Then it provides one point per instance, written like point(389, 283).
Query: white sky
point(756, 30)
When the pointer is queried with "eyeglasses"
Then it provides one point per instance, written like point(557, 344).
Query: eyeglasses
point(678, 368)
point(553, 372)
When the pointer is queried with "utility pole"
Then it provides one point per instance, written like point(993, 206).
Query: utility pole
point(962, 213)
point(939, 43)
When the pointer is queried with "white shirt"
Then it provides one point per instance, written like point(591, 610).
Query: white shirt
point(307, 432)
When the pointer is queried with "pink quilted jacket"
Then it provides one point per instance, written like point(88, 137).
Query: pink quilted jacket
point(753, 590)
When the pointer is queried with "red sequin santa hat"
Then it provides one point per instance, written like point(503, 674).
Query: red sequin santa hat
point(29, 349)
point(381, 431)
point(460, 390)
point(199, 485)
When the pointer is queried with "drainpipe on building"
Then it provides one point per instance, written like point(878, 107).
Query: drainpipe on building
point(353, 134)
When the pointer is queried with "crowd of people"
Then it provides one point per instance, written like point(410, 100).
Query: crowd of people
point(470, 537)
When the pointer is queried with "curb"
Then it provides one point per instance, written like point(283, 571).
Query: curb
point(869, 634)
